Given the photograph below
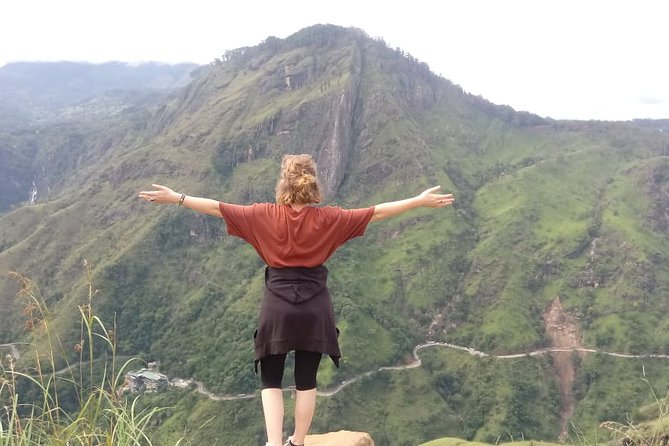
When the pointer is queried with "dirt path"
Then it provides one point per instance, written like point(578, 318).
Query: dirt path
point(563, 332)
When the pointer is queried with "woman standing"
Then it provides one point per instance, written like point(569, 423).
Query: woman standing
point(295, 239)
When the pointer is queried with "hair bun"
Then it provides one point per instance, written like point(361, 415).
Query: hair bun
point(305, 179)
point(298, 182)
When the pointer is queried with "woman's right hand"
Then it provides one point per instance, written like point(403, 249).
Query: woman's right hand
point(164, 195)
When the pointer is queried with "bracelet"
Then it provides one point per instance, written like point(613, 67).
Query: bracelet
point(181, 200)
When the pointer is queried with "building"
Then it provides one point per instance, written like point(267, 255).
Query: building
point(145, 380)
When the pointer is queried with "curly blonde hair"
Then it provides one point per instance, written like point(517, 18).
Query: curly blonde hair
point(298, 182)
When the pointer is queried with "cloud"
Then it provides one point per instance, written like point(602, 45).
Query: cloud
point(651, 100)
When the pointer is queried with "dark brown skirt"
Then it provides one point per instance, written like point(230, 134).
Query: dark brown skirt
point(296, 314)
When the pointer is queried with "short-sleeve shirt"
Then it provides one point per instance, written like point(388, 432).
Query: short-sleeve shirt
point(285, 237)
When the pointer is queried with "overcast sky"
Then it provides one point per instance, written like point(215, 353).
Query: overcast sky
point(576, 59)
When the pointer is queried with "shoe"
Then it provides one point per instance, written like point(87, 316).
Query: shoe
point(289, 442)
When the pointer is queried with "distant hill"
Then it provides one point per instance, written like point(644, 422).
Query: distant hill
point(545, 209)
point(40, 87)
point(70, 97)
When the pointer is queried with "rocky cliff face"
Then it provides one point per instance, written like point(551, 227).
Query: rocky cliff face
point(334, 150)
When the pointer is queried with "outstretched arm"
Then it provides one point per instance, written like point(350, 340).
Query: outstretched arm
point(165, 195)
point(427, 198)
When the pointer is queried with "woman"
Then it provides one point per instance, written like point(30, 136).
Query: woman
point(295, 239)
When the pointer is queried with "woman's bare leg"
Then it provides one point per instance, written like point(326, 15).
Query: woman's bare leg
point(271, 375)
point(305, 404)
point(272, 405)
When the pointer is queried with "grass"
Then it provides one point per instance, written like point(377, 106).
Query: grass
point(35, 398)
point(653, 432)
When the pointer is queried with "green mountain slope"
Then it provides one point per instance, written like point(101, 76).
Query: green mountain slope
point(545, 208)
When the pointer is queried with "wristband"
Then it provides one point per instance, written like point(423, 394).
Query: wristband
point(181, 200)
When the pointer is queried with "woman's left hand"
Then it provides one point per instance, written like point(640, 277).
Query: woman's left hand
point(429, 198)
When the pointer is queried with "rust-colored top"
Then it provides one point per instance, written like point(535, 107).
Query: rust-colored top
point(284, 237)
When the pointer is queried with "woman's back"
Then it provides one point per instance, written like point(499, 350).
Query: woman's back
point(284, 237)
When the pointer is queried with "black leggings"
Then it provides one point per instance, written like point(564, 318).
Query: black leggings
point(306, 367)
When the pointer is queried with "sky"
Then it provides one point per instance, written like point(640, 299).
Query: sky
point(565, 59)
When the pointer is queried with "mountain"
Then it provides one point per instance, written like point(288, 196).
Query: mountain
point(39, 88)
point(48, 109)
point(561, 218)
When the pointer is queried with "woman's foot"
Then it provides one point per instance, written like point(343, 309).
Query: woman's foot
point(289, 442)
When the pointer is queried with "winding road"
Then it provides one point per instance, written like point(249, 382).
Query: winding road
point(200, 388)
point(417, 363)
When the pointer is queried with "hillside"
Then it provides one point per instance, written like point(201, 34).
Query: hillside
point(545, 209)
point(49, 111)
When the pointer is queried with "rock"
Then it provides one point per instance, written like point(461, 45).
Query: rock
point(341, 438)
